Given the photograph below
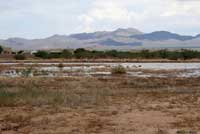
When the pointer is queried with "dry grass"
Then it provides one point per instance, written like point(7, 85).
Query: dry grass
point(16, 91)
point(45, 91)
point(99, 105)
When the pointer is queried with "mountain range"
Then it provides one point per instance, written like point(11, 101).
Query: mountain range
point(121, 39)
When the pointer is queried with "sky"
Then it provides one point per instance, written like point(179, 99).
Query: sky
point(43, 18)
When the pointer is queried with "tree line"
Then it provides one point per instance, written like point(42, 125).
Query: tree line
point(82, 53)
point(142, 54)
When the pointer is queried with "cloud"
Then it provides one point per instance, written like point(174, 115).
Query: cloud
point(109, 14)
point(41, 18)
point(147, 15)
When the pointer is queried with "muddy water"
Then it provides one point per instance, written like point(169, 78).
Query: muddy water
point(102, 69)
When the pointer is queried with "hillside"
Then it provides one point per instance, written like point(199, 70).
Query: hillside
point(119, 39)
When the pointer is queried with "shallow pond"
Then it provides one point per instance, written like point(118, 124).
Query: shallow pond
point(100, 69)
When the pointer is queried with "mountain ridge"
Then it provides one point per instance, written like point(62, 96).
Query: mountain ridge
point(129, 38)
point(163, 35)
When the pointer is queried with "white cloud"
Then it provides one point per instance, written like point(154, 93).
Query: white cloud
point(145, 14)
point(40, 18)
point(108, 13)
point(87, 22)
point(183, 8)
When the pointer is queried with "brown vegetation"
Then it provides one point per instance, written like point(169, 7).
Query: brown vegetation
point(113, 105)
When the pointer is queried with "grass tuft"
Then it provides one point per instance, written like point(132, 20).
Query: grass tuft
point(118, 70)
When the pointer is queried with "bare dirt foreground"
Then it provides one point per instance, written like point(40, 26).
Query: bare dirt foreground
point(114, 105)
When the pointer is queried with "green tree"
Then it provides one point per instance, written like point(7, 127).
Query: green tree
point(42, 54)
point(112, 53)
point(145, 54)
point(54, 55)
point(175, 55)
point(162, 54)
point(82, 53)
point(187, 54)
point(66, 54)
point(20, 52)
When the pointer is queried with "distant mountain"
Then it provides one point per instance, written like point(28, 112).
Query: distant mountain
point(122, 39)
point(87, 36)
point(111, 42)
point(161, 36)
point(119, 32)
point(16, 41)
point(126, 32)
point(197, 36)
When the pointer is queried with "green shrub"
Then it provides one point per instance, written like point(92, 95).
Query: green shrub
point(81, 53)
point(1, 49)
point(66, 54)
point(42, 54)
point(119, 70)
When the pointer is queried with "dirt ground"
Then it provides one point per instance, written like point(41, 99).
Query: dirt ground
point(114, 105)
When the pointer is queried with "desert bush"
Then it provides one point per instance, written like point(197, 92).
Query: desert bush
point(118, 70)
point(20, 57)
point(60, 65)
point(27, 72)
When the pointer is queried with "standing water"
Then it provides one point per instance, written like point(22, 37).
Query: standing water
point(89, 69)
